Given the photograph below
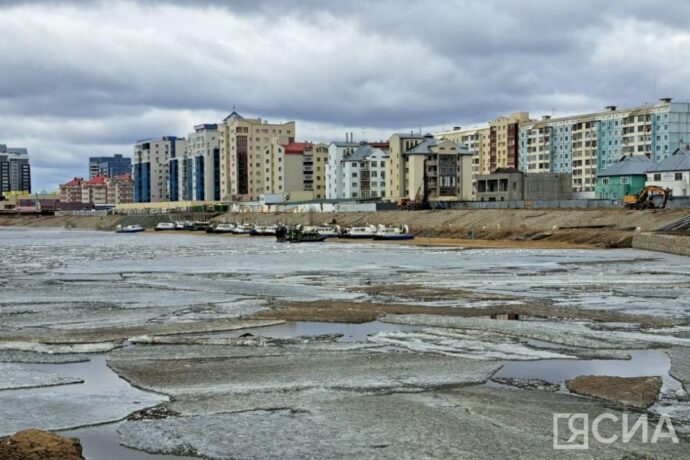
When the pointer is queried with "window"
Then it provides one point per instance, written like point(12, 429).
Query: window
point(657, 177)
point(605, 181)
point(678, 176)
point(624, 180)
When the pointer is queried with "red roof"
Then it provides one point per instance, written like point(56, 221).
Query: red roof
point(98, 180)
point(125, 176)
point(77, 181)
point(297, 148)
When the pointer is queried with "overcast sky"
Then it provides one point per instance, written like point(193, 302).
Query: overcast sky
point(81, 78)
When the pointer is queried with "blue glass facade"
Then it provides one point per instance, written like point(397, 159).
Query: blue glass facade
point(216, 174)
point(142, 182)
point(199, 178)
point(173, 184)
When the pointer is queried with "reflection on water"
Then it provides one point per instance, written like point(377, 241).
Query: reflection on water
point(641, 363)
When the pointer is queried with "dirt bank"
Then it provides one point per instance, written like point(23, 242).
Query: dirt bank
point(557, 228)
point(40, 445)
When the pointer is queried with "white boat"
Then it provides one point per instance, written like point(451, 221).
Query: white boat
point(242, 229)
point(393, 233)
point(184, 225)
point(329, 231)
point(359, 232)
point(263, 230)
point(164, 226)
point(136, 228)
point(224, 228)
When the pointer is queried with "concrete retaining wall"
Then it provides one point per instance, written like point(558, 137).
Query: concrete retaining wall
point(673, 244)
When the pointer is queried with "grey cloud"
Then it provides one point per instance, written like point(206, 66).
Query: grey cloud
point(88, 75)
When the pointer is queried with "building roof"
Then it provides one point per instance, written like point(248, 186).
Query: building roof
point(424, 148)
point(345, 144)
point(97, 180)
point(206, 126)
point(297, 148)
point(679, 161)
point(507, 171)
point(636, 165)
point(125, 176)
point(77, 181)
point(234, 114)
point(363, 152)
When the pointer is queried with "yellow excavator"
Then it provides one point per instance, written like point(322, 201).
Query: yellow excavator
point(645, 198)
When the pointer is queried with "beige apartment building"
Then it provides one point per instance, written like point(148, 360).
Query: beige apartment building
point(246, 154)
point(492, 145)
point(424, 166)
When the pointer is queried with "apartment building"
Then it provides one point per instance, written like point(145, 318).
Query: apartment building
point(424, 166)
point(197, 170)
point(245, 167)
point(316, 160)
point(15, 170)
point(71, 192)
point(155, 162)
point(363, 173)
point(98, 190)
point(337, 150)
point(477, 140)
point(585, 144)
point(111, 166)
point(120, 189)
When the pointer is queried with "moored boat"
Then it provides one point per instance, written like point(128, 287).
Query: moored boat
point(242, 229)
point(136, 228)
point(329, 231)
point(393, 233)
point(263, 230)
point(359, 232)
point(164, 226)
point(184, 225)
point(224, 227)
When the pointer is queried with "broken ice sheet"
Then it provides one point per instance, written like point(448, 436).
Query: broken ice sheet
point(14, 376)
point(467, 343)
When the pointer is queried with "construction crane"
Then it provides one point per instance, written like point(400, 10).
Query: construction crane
point(645, 198)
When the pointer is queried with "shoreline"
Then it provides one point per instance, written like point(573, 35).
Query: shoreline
point(486, 229)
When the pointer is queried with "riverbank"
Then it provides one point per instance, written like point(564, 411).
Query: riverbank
point(607, 228)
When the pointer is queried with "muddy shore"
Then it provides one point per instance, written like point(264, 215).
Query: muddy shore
point(557, 228)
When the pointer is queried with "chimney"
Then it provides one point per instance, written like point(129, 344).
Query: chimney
point(352, 136)
point(666, 100)
point(611, 108)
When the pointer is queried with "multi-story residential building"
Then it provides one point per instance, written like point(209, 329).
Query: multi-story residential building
point(155, 162)
point(585, 144)
point(120, 189)
point(244, 143)
point(503, 141)
point(15, 170)
point(477, 140)
point(316, 160)
point(364, 173)
point(424, 166)
point(112, 166)
point(337, 150)
point(71, 192)
point(95, 190)
point(99, 190)
point(195, 175)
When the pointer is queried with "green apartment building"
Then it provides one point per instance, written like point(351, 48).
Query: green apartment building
point(625, 177)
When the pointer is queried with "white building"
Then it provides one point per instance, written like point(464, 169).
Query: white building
point(154, 166)
point(334, 168)
point(673, 173)
point(363, 173)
